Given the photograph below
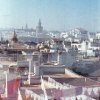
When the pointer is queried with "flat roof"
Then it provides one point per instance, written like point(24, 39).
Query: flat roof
point(8, 62)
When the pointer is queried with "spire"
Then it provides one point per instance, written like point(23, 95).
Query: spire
point(14, 33)
point(26, 27)
point(39, 23)
point(14, 38)
point(39, 28)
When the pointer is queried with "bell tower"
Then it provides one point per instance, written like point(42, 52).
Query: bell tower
point(39, 28)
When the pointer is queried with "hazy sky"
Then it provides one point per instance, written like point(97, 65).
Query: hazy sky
point(55, 14)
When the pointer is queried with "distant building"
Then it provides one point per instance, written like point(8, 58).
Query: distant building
point(77, 33)
point(14, 38)
point(57, 44)
point(39, 28)
point(91, 36)
point(26, 27)
point(1, 38)
point(98, 35)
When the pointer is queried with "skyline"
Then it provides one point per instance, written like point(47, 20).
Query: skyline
point(58, 15)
